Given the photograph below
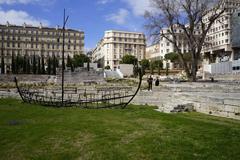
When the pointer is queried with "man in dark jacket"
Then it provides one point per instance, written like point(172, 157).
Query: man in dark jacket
point(150, 81)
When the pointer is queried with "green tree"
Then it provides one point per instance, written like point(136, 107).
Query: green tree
point(145, 65)
point(2, 64)
point(152, 67)
point(54, 62)
point(79, 60)
point(43, 65)
point(167, 69)
point(25, 64)
point(49, 67)
point(158, 64)
point(28, 65)
point(34, 65)
point(39, 65)
point(107, 67)
point(19, 63)
point(173, 57)
point(70, 63)
point(13, 63)
point(129, 59)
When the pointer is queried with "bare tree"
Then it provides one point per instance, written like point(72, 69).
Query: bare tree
point(193, 17)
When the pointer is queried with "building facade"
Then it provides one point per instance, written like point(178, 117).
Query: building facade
point(164, 46)
point(40, 41)
point(220, 43)
point(153, 52)
point(116, 44)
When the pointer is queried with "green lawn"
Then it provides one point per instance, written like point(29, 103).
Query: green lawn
point(35, 132)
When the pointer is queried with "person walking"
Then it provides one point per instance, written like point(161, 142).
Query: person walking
point(150, 81)
point(157, 82)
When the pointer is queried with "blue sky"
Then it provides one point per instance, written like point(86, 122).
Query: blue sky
point(91, 16)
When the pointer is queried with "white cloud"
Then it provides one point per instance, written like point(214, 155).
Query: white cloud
point(104, 1)
point(18, 1)
point(20, 17)
point(139, 7)
point(120, 17)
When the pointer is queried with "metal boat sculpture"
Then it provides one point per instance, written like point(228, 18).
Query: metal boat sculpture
point(99, 98)
point(104, 97)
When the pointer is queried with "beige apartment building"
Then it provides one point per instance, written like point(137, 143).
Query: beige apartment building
point(115, 44)
point(42, 41)
point(153, 52)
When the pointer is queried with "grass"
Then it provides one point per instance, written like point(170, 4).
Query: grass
point(138, 132)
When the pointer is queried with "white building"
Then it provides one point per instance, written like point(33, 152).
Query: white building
point(222, 42)
point(116, 44)
point(219, 41)
point(164, 46)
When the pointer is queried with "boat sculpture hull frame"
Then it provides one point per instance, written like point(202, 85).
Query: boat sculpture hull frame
point(101, 98)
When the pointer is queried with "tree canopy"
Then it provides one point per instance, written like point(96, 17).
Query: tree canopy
point(173, 57)
point(129, 59)
point(80, 59)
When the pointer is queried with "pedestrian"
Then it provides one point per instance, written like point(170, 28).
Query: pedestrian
point(157, 82)
point(150, 81)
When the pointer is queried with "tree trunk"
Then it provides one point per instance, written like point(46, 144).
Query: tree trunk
point(185, 66)
point(194, 70)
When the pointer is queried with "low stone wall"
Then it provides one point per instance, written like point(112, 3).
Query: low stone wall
point(213, 98)
point(229, 108)
point(219, 99)
point(11, 93)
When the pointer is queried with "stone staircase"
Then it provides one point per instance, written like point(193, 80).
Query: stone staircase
point(112, 74)
point(213, 98)
point(82, 77)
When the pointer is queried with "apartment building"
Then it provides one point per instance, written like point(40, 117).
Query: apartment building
point(42, 41)
point(222, 42)
point(164, 46)
point(115, 44)
point(219, 45)
point(153, 52)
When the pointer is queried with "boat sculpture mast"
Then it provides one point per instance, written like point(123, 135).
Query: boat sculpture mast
point(65, 19)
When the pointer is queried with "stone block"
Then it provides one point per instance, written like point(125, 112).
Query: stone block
point(229, 108)
point(234, 102)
